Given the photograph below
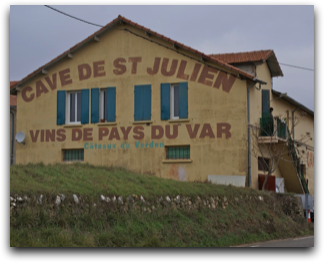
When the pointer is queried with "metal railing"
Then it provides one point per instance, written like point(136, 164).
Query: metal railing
point(296, 160)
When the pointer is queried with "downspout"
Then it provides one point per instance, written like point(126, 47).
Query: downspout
point(12, 136)
point(249, 135)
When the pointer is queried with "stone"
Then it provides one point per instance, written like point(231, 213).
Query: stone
point(12, 199)
point(189, 203)
point(19, 199)
point(57, 201)
point(62, 197)
point(260, 198)
point(102, 198)
point(213, 206)
point(108, 199)
point(161, 199)
point(76, 199)
point(168, 199)
point(177, 199)
point(142, 199)
point(225, 199)
point(130, 200)
point(40, 199)
point(120, 200)
point(114, 199)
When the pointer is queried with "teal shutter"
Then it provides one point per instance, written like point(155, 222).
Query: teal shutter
point(94, 105)
point(111, 104)
point(60, 117)
point(265, 103)
point(142, 103)
point(165, 101)
point(183, 100)
point(138, 110)
point(146, 102)
point(84, 106)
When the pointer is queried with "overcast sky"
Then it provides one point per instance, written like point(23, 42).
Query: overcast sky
point(39, 34)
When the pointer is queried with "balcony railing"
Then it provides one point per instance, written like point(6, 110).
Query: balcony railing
point(273, 126)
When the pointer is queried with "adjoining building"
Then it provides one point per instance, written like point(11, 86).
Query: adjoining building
point(13, 113)
point(127, 96)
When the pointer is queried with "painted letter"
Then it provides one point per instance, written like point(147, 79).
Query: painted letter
point(156, 66)
point(40, 88)
point(103, 131)
point(97, 68)
point(114, 134)
point(34, 136)
point(223, 128)
point(60, 135)
point(205, 75)
point(227, 83)
point(125, 131)
point(160, 132)
point(134, 61)
point(52, 83)
point(65, 77)
point(87, 134)
point(175, 131)
point(50, 135)
point(76, 134)
point(181, 70)
point(193, 134)
point(164, 67)
point(24, 95)
point(122, 68)
point(84, 75)
point(195, 72)
point(138, 130)
point(207, 131)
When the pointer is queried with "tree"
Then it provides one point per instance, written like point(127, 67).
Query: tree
point(270, 142)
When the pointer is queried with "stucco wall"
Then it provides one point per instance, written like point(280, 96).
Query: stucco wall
point(212, 150)
point(12, 156)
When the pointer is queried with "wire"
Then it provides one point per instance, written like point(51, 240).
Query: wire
point(73, 16)
point(299, 67)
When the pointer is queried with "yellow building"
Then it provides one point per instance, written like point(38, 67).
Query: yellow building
point(127, 96)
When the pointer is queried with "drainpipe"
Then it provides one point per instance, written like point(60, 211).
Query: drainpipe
point(249, 135)
point(12, 137)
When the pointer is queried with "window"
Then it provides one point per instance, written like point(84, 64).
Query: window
point(142, 103)
point(174, 101)
point(178, 152)
point(72, 107)
point(263, 164)
point(73, 155)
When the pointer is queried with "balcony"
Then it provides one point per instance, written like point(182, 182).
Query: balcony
point(272, 130)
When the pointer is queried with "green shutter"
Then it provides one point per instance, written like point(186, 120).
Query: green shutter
point(265, 103)
point(146, 102)
point(165, 101)
point(183, 100)
point(60, 117)
point(111, 104)
point(85, 106)
point(94, 105)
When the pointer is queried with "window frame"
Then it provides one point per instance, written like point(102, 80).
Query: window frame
point(262, 166)
point(172, 117)
point(64, 151)
point(179, 147)
point(102, 105)
point(68, 109)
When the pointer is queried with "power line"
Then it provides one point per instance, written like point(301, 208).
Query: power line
point(299, 67)
point(73, 16)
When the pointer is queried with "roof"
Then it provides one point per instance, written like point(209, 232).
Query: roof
point(254, 56)
point(13, 99)
point(123, 20)
point(293, 102)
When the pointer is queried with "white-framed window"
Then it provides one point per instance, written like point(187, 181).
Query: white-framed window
point(174, 101)
point(73, 107)
point(102, 105)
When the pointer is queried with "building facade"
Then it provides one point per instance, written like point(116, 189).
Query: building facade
point(127, 96)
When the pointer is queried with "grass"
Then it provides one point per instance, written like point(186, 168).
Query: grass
point(243, 222)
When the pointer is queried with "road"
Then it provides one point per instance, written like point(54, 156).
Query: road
point(307, 241)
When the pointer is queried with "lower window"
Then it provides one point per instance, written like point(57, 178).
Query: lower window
point(178, 152)
point(73, 155)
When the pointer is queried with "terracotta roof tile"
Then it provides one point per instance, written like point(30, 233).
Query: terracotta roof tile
point(213, 58)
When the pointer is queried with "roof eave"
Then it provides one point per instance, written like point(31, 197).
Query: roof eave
point(294, 102)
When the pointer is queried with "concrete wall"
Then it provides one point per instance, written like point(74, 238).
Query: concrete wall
point(211, 111)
